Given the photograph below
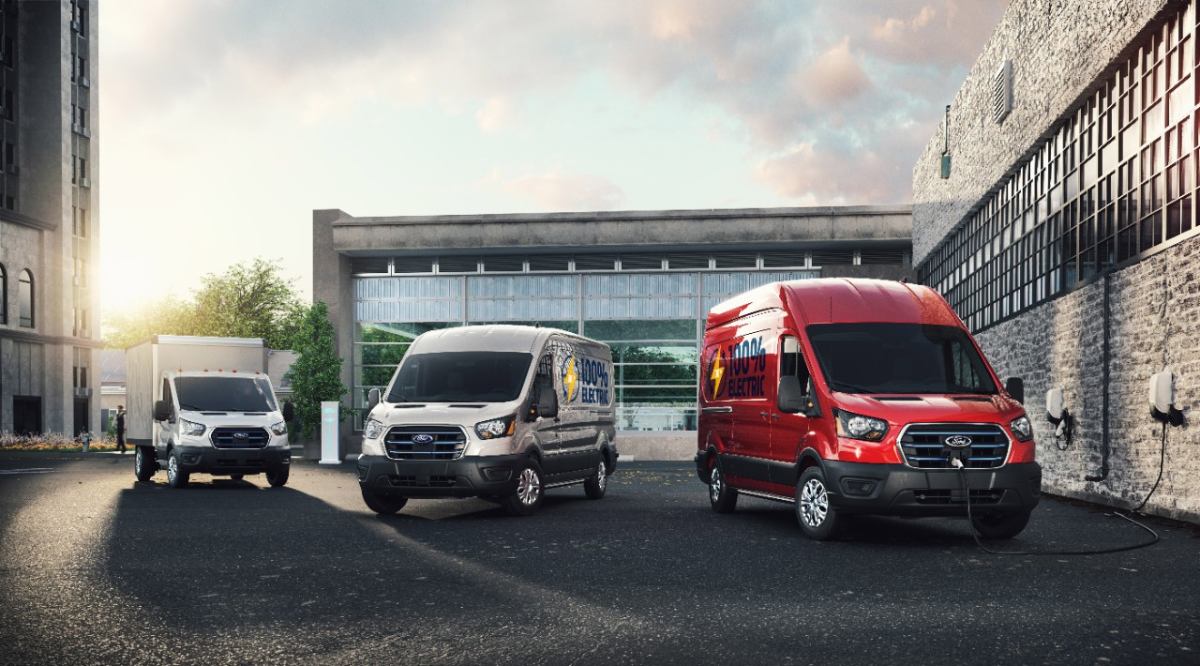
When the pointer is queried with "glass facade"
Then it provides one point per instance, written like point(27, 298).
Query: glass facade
point(649, 309)
point(1115, 181)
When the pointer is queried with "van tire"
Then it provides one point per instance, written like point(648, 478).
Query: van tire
point(278, 478)
point(384, 505)
point(817, 517)
point(530, 491)
point(1000, 526)
point(597, 483)
point(144, 464)
point(176, 477)
point(721, 496)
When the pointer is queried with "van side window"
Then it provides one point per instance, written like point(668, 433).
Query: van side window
point(791, 362)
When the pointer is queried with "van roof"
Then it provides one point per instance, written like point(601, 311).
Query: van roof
point(491, 337)
point(840, 300)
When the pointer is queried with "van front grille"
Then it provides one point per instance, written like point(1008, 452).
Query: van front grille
point(239, 438)
point(925, 446)
point(425, 442)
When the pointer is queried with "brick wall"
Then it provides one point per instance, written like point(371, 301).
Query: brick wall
point(1155, 308)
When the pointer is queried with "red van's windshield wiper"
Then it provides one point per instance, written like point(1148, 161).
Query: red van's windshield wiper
point(852, 388)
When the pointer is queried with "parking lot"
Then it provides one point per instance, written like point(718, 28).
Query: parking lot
point(95, 567)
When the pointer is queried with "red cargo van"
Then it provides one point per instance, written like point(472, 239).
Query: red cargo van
point(847, 396)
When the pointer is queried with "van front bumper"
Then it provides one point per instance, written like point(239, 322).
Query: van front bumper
point(213, 460)
point(906, 491)
point(469, 476)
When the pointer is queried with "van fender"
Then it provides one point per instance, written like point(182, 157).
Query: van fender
point(702, 462)
point(806, 458)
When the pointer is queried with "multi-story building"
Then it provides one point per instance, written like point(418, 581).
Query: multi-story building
point(1056, 211)
point(641, 281)
point(48, 224)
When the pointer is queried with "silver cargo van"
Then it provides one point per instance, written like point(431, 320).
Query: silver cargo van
point(500, 412)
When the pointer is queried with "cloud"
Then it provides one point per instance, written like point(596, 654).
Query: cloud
point(558, 191)
point(789, 74)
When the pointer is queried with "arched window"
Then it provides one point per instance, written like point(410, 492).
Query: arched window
point(25, 299)
point(3, 295)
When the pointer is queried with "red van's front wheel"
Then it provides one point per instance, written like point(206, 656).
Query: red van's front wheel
point(721, 495)
point(817, 517)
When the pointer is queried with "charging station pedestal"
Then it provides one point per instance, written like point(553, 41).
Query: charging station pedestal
point(329, 433)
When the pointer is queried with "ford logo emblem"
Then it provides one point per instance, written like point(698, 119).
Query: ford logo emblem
point(422, 438)
point(240, 435)
point(957, 441)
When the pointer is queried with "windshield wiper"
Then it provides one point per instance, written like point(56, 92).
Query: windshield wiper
point(191, 408)
point(842, 387)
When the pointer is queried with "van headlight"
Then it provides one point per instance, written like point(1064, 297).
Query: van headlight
point(1022, 428)
point(861, 427)
point(191, 428)
point(280, 428)
point(373, 429)
point(496, 428)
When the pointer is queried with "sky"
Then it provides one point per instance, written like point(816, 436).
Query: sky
point(224, 123)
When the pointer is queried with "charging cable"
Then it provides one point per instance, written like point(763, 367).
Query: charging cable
point(957, 462)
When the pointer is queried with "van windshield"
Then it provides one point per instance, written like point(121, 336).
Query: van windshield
point(225, 394)
point(899, 358)
point(461, 377)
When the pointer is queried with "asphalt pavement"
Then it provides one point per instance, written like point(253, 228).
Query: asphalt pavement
point(97, 568)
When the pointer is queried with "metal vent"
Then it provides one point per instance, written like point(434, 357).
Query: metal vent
point(1002, 93)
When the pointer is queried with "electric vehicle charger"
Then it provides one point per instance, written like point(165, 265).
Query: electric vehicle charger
point(1154, 538)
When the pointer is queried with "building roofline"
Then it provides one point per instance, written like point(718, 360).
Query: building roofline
point(345, 219)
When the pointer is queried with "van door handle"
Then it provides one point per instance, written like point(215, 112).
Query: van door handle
point(775, 417)
point(763, 414)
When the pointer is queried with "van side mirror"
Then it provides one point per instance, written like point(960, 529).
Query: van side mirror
point(373, 397)
point(790, 397)
point(289, 411)
point(162, 411)
point(547, 401)
point(1015, 387)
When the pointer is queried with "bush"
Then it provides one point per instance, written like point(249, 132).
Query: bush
point(52, 442)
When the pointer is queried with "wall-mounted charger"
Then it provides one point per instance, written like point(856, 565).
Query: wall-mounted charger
point(1162, 398)
point(1059, 416)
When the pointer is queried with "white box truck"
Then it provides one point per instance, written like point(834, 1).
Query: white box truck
point(204, 404)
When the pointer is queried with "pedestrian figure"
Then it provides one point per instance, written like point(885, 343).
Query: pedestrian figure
point(121, 428)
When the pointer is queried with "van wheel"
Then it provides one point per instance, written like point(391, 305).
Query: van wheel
point(144, 465)
point(278, 478)
point(721, 495)
point(1000, 526)
point(529, 493)
point(176, 477)
point(597, 483)
point(816, 515)
point(384, 505)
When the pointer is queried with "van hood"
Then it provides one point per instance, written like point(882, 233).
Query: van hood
point(464, 414)
point(908, 408)
point(216, 420)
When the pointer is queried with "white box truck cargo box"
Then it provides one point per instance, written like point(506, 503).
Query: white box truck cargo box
point(146, 363)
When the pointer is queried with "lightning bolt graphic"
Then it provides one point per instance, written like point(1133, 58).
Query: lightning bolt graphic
point(570, 378)
point(716, 373)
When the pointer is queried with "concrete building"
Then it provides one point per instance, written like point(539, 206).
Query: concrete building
point(1065, 232)
point(640, 280)
point(49, 312)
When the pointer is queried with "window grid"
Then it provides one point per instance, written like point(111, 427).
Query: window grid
point(1115, 180)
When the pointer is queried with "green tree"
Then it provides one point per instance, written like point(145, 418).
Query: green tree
point(166, 316)
point(316, 374)
point(249, 301)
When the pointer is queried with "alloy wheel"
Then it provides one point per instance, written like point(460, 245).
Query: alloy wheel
point(814, 503)
point(172, 468)
point(602, 479)
point(714, 484)
point(529, 487)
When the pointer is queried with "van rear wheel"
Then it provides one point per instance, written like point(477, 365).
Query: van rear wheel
point(817, 517)
point(144, 465)
point(721, 496)
point(597, 483)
